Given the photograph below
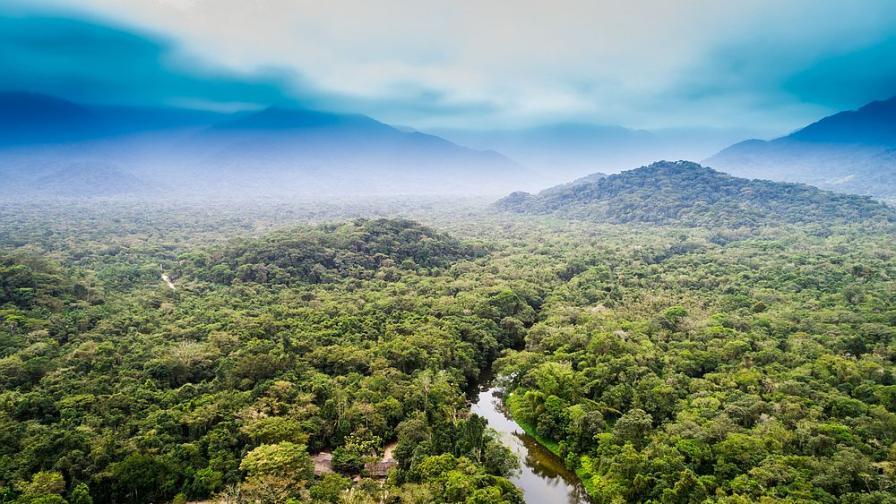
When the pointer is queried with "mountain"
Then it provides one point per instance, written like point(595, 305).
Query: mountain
point(29, 117)
point(562, 151)
point(278, 152)
point(27, 176)
point(581, 181)
point(873, 124)
point(32, 118)
point(683, 193)
point(283, 119)
point(322, 152)
point(852, 152)
point(91, 180)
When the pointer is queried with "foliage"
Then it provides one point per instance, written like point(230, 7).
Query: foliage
point(686, 194)
point(276, 473)
point(146, 393)
point(748, 370)
point(664, 364)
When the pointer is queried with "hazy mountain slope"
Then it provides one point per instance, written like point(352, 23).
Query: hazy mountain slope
point(563, 188)
point(685, 193)
point(29, 117)
point(321, 152)
point(852, 152)
point(72, 170)
point(873, 124)
point(277, 152)
point(91, 180)
point(281, 118)
point(563, 151)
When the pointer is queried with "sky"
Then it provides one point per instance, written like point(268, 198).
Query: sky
point(763, 66)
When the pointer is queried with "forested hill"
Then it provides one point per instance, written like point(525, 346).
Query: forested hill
point(326, 253)
point(663, 364)
point(339, 337)
point(687, 194)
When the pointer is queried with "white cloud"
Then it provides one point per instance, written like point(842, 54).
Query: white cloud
point(633, 63)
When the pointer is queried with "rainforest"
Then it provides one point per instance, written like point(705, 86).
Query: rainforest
point(447, 252)
point(660, 363)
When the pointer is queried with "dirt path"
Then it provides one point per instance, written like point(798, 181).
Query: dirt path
point(167, 279)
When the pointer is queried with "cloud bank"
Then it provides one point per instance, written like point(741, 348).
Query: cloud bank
point(760, 64)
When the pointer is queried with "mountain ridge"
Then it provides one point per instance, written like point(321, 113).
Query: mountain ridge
point(688, 194)
point(278, 151)
point(852, 151)
point(566, 150)
point(870, 124)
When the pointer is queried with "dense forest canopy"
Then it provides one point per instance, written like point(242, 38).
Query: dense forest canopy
point(295, 252)
point(686, 194)
point(666, 364)
point(325, 253)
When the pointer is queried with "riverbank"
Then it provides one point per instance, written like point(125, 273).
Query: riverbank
point(542, 476)
point(510, 403)
point(511, 407)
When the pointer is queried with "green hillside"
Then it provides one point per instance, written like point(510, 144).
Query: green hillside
point(688, 194)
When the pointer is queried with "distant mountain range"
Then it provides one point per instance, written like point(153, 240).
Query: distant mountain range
point(687, 194)
point(563, 151)
point(852, 152)
point(279, 152)
point(31, 118)
point(52, 147)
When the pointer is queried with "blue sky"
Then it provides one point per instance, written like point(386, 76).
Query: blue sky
point(761, 66)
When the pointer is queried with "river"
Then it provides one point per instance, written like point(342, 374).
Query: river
point(542, 476)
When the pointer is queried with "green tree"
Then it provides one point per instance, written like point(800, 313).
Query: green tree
point(276, 472)
point(80, 495)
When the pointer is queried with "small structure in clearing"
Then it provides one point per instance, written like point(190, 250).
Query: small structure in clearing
point(381, 468)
